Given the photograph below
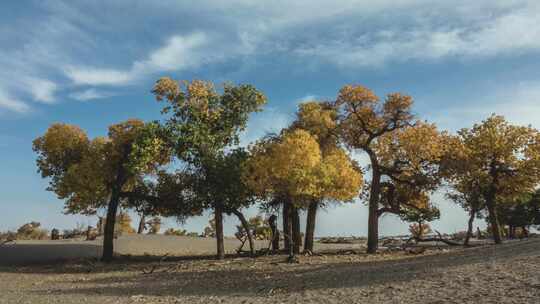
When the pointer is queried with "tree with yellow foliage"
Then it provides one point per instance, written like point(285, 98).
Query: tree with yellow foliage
point(291, 168)
point(99, 173)
point(403, 152)
point(503, 158)
point(284, 168)
point(339, 177)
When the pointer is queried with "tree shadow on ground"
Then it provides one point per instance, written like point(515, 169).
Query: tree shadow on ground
point(292, 278)
point(46, 254)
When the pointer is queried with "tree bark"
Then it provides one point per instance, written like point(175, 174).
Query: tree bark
point(310, 226)
point(218, 216)
point(289, 232)
point(286, 226)
point(493, 218)
point(275, 232)
point(297, 237)
point(245, 224)
point(142, 224)
point(472, 214)
point(373, 215)
point(110, 221)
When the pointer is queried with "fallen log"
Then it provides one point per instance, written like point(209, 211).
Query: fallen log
point(435, 239)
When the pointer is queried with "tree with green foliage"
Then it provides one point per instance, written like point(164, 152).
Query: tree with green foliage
point(202, 124)
point(521, 213)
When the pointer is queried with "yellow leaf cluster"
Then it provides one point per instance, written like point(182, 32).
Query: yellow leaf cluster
point(293, 166)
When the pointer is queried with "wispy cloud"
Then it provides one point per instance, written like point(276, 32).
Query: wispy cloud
point(178, 53)
point(513, 32)
point(349, 34)
point(42, 90)
point(90, 94)
point(12, 104)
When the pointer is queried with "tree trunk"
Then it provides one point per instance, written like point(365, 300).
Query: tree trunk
point(472, 214)
point(511, 232)
point(286, 225)
point(275, 232)
point(493, 219)
point(289, 232)
point(245, 224)
point(218, 216)
point(310, 226)
point(524, 232)
point(297, 237)
point(142, 224)
point(110, 220)
point(373, 215)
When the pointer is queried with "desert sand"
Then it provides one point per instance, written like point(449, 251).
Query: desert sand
point(508, 273)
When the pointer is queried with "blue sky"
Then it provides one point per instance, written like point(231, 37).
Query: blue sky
point(93, 63)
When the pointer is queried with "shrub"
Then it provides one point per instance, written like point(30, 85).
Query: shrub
point(155, 225)
point(177, 232)
point(32, 231)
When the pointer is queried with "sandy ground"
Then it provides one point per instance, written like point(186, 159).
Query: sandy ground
point(32, 252)
point(508, 273)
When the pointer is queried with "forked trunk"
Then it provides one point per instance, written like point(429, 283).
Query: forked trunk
point(310, 226)
point(218, 216)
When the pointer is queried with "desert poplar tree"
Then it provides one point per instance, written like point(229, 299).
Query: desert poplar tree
point(99, 173)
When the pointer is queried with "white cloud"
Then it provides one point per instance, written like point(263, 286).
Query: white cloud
point(42, 90)
point(306, 98)
point(12, 104)
point(180, 52)
point(351, 34)
point(89, 94)
point(512, 32)
point(97, 76)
